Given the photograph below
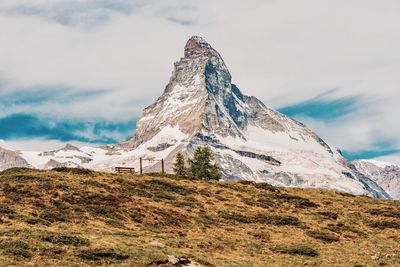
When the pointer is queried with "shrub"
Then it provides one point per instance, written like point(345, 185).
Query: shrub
point(385, 212)
point(279, 220)
point(384, 224)
point(5, 210)
point(328, 214)
point(260, 235)
point(266, 186)
point(115, 223)
point(298, 201)
point(272, 219)
point(16, 248)
point(324, 236)
point(78, 171)
point(340, 227)
point(296, 250)
point(53, 216)
point(101, 254)
point(65, 240)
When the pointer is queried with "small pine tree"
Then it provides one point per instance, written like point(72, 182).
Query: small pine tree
point(179, 165)
point(201, 166)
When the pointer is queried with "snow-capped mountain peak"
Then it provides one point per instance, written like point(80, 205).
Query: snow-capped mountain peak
point(201, 106)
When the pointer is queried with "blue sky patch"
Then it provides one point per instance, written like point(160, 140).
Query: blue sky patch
point(322, 109)
point(369, 154)
point(26, 126)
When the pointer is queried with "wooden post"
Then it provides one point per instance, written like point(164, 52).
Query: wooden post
point(162, 166)
point(141, 166)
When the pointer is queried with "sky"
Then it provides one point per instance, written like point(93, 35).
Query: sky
point(81, 71)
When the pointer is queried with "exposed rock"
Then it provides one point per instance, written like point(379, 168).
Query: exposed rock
point(156, 244)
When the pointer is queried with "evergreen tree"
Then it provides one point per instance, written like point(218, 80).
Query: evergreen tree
point(179, 165)
point(201, 165)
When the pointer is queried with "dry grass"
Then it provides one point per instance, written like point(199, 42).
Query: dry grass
point(69, 217)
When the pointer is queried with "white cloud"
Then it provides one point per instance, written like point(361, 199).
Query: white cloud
point(37, 144)
point(280, 51)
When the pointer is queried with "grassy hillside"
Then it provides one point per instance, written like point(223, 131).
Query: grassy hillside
point(81, 218)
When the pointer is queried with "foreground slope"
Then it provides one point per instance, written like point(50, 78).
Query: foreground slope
point(76, 217)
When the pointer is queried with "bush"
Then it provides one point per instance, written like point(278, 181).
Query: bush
point(115, 223)
point(101, 254)
point(272, 219)
point(260, 235)
point(328, 214)
point(324, 236)
point(266, 186)
point(78, 171)
point(16, 248)
point(299, 202)
point(279, 220)
point(385, 212)
point(384, 224)
point(296, 250)
point(53, 216)
point(65, 240)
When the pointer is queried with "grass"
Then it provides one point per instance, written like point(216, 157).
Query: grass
point(70, 217)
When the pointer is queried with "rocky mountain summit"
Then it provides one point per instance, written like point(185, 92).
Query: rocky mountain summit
point(201, 106)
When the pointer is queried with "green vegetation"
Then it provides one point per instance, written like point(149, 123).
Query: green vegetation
point(70, 217)
point(179, 166)
point(200, 167)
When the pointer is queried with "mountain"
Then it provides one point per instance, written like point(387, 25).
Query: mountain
point(387, 175)
point(10, 159)
point(201, 106)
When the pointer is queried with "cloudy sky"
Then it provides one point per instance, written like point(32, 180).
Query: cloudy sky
point(81, 71)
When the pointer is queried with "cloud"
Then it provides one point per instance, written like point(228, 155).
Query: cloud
point(71, 13)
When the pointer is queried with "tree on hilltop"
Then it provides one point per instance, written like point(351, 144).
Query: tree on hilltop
point(202, 166)
point(179, 166)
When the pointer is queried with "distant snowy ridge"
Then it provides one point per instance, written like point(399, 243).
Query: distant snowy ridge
point(201, 106)
point(387, 175)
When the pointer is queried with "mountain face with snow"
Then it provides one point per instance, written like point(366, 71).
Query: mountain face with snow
point(10, 159)
point(201, 106)
point(387, 175)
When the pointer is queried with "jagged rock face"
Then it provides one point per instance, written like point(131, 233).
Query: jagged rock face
point(387, 175)
point(10, 159)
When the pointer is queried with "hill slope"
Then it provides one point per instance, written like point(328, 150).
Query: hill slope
point(76, 217)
